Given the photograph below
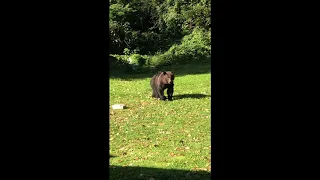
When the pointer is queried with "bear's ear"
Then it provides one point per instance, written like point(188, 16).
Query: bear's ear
point(163, 72)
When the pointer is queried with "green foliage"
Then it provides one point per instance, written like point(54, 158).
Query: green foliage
point(120, 16)
point(137, 59)
point(159, 60)
point(126, 51)
point(121, 59)
point(194, 47)
point(197, 15)
point(120, 12)
point(148, 26)
point(134, 63)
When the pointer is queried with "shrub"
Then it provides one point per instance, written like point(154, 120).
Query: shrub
point(121, 59)
point(137, 59)
point(194, 47)
point(159, 60)
point(126, 51)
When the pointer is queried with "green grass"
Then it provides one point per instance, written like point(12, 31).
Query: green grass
point(161, 134)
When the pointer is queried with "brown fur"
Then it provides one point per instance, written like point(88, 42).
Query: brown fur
point(161, 81)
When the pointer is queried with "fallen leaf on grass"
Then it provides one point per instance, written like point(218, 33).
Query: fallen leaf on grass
point(123, 148)
point(144, 103)
point(179, 149)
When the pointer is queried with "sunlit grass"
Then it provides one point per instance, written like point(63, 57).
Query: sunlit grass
point(161, 134)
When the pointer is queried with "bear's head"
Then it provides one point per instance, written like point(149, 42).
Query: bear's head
point(168, 77)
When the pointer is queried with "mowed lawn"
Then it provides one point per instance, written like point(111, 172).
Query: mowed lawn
point(161, 134)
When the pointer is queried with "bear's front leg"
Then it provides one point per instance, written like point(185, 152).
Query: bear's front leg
point(161, 94)
point(154, 93)
point(170, 92)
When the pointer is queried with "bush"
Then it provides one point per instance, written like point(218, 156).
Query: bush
point(194, 47)
point(126, 51)
point(137, 59)
point(121, 59)
point(147, 60)
point(159, 60)
point(120, 62)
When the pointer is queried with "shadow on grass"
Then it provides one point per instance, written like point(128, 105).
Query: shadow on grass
point(179, 70)
point(195, 96)
point(124, 173)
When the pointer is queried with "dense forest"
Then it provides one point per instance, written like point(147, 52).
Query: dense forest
point(150, 33)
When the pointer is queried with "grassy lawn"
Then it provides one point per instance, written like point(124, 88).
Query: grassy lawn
point(167, 135)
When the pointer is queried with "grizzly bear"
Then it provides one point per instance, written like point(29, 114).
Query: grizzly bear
point(161, 81)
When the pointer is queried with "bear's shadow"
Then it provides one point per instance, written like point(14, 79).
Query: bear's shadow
point(195, 96)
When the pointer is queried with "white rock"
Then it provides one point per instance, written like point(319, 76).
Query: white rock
point(118, 106)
